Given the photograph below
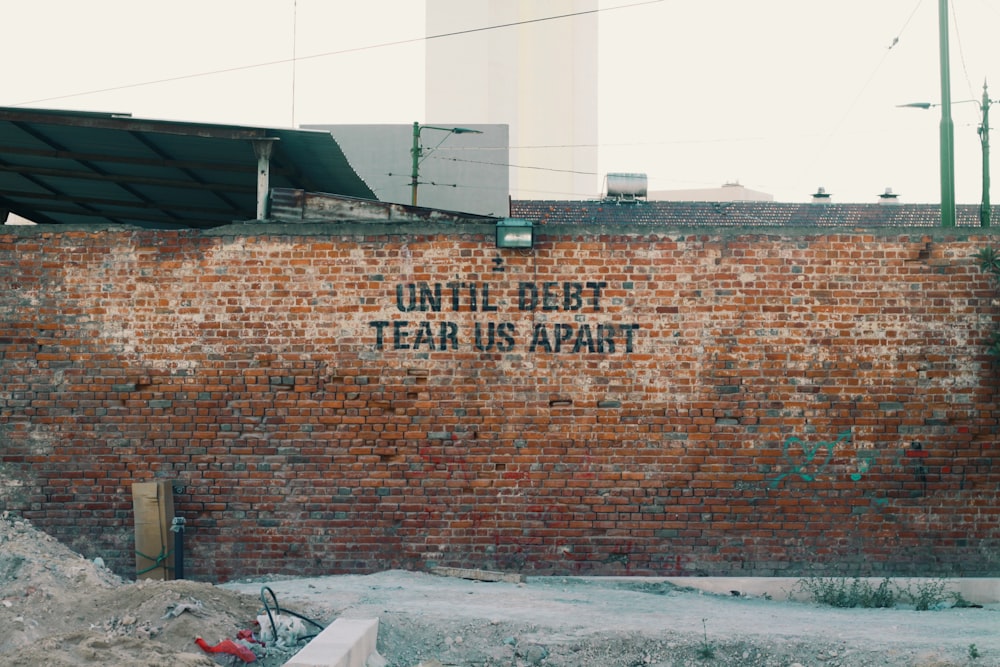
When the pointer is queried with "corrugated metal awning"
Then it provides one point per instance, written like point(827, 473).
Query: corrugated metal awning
point(72, 167)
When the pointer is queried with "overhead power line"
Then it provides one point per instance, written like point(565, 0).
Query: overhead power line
point(328, 54)
point(867, 83)
point(961, 51)
point(518, 166)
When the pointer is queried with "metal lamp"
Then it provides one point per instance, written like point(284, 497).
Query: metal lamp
point(515, 233)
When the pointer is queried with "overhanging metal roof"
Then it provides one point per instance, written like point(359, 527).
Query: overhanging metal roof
point(72, 167)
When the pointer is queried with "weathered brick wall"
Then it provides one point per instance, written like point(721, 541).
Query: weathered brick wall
point(648, 402)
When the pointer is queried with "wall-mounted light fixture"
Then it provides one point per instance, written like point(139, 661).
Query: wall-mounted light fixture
point(515, 233)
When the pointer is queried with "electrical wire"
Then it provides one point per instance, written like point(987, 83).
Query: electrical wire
point(961, 51)
point(867, 83)
point(280, 610)
point(875, 71)
point(517, 166)
point(327, 54)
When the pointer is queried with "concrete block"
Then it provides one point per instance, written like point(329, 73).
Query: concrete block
point(347, 642)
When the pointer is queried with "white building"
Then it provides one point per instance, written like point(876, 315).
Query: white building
point(539, 77)
point(728, 192)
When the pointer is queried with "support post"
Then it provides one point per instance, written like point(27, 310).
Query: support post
point(985, 212)
point(947, 128)
point(263, 148)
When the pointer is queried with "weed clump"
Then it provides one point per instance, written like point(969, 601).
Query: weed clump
point(926, 595)
point(849, 593)
point(858, 592)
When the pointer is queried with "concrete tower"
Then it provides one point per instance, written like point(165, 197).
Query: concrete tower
point(537, 76)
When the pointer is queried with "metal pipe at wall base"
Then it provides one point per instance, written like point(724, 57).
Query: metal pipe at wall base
point(177, 527)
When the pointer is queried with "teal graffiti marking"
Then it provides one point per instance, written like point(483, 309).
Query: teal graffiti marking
point(865, 460)
point(813, 459)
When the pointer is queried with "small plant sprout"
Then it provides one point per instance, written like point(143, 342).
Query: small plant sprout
point(706, 651)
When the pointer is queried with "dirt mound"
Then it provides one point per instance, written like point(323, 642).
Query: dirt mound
point(33, 563)
point(62, 610)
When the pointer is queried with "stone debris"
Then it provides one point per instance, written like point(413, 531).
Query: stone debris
point(192, 606)
point(287, 630)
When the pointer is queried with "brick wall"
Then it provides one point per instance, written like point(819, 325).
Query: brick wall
point(352, 399)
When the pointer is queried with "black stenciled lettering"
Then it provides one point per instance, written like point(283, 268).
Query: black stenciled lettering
point(473, 305)
point(571, 296)
point(449, 334)
point(505, 337)
point(605, 335)
point(490, 335)
point(584, 339)
point(597, 287)
point(552, 296)
point(484, 343)
point(456, 292)
point(629, 330)
point(475, 294)
point(421, 296)
point(500, 336)
point(379, 329)
point(424, 336)
point(540, 338)
point(527, 296)
point(549, 296)
point(399, 334)
point(487, 306)
point(562, 333)
point(430, 297)
point(401, 302)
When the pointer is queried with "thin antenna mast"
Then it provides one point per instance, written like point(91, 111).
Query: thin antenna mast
point(295, 35)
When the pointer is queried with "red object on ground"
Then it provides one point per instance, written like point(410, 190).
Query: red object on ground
point(247, 636)
point(227, 646)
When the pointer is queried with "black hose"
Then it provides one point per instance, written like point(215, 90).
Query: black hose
point(279, 610)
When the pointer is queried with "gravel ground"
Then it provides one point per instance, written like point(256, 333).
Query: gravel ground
point(58, 609)
point(575, 622)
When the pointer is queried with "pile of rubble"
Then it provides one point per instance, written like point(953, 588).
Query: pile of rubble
point(60, 609)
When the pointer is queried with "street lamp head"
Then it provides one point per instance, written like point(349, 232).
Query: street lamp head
point(418, 128)
point(917, 105)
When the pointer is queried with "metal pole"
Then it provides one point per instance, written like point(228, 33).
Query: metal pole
point(984, 138)
point(177, 527)
point(415, 153)
point(947, 129)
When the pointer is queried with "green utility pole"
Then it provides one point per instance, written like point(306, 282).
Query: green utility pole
point(417, 151)
point(984, 138)
point(415, 171)
point(947, 128)
point(985, 208)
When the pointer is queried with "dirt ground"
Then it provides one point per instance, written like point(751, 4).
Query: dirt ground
point(58, 609)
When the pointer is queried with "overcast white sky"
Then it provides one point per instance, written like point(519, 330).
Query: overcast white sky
point(782, 96)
